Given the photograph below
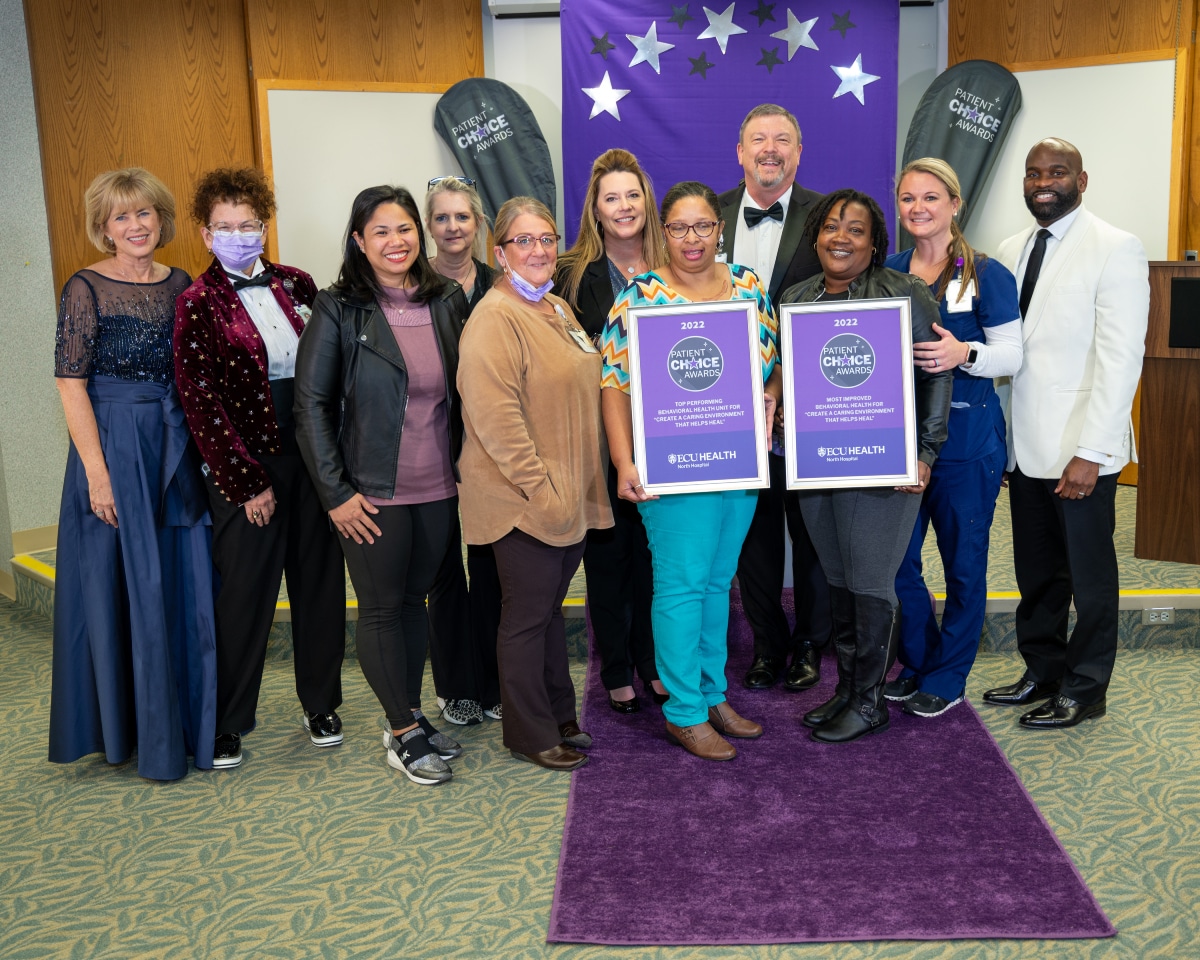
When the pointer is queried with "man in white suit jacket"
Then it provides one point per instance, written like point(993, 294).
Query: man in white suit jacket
point(1084, 328)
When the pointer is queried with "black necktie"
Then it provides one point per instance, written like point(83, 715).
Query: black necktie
point(754, 216)
point(1032, 269)
point(262, 280)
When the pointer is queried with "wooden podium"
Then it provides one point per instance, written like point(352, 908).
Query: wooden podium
point(1168, 493)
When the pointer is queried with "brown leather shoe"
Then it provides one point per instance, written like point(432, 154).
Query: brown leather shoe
point(558, 757)
point(726, 720)
point(701, 740)
point(572, 736)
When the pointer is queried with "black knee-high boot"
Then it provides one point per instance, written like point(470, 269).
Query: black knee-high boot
point(841, 603)
point(877, 633)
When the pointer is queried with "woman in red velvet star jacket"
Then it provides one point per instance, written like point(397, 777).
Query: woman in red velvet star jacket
point(236, 332)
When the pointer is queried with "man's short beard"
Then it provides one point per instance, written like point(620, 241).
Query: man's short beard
point(1063, 203)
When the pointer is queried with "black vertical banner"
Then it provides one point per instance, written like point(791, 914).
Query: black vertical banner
point(964, 119)
point(495, 137)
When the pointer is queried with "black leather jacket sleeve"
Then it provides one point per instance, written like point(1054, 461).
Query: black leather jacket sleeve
point(932, 390)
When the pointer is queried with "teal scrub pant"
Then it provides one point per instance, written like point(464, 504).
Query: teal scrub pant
point(695, 540)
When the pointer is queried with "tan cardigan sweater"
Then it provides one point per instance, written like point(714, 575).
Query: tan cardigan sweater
point(534, 454)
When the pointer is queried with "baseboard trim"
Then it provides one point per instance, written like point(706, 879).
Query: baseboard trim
point(39, 538)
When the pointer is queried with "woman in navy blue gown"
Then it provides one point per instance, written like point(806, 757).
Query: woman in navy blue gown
point(134, 643)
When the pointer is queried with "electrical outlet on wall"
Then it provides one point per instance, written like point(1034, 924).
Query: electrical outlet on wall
point(1158, 615)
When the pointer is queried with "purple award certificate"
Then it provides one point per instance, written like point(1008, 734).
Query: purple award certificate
point(849, 415)
point(697, 392)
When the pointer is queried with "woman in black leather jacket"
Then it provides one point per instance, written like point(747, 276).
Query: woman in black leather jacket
point(379, 425)
point(861, 533)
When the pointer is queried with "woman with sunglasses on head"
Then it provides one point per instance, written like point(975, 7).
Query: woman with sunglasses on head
point(861, 532)
point(978, 338)
point(619, 237)
point(532, 471)
point(236, 332)
point(462, 622)
point(695, 538)
point(378, 422)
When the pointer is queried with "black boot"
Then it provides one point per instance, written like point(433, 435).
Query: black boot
point(841, 603)
point(878, 634)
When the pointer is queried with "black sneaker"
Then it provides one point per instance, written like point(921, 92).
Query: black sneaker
point(415, 756)
point(447, 747)
point(928, 705)
point(227, 751)
point(901, 688)
point(324, 729)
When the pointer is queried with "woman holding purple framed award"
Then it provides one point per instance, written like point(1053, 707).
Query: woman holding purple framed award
point(861, 533)
point(979, 338)
point(695, 538)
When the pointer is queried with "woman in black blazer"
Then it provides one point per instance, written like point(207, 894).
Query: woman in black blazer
point(619, 238)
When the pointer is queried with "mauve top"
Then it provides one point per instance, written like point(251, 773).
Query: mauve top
point(423, 469)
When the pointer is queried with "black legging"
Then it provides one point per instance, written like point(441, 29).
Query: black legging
point(392, 577)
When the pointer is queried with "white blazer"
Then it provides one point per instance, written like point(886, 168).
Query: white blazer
point(1084, 336)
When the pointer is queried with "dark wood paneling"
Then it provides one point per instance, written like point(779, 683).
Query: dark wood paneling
point(1168, 510)
point(120, 83)
point(381, 41)
point(1029, 31)
point(1158, 332)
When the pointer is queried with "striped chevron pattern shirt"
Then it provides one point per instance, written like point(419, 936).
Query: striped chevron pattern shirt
point(650, 288)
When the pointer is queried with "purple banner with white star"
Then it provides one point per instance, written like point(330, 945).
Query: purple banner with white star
point(672, 82)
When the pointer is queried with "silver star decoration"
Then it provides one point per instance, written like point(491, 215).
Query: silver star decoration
point(720, 27)
point(648, 47)
point(853, 79)
point(797, 34)
point(604, 98)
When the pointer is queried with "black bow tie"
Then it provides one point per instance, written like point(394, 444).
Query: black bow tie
point(262, 280)
point(754, 216)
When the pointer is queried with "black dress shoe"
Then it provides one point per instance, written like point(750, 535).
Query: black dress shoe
point(625, 706)
point(1060, 712)
point(558, 757)
point(1021, 693)
point(763, 673)
point(659, 698)
point(805, 670)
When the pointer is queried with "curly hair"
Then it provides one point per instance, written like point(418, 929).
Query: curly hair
point(233, 185)
point(837, 201)
point(130, 186)
point(589, 244)
point(958, 248)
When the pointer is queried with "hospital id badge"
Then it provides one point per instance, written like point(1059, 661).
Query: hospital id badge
point(953, 303)
point(583, 340)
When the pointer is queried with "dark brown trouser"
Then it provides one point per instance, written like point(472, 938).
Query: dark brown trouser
point(535, 678)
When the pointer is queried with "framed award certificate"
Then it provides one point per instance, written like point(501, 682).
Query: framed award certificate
point(697, 392)
point(849, 415)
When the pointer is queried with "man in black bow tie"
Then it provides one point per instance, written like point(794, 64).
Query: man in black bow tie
point(764, 218)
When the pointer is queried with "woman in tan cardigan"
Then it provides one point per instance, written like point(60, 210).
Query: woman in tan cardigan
point(532, 475)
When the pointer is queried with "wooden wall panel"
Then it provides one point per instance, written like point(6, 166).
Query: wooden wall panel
point(1029, 31)
point(123, 83)
point(381, 41)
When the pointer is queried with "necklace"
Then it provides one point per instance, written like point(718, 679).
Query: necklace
point(638, 265)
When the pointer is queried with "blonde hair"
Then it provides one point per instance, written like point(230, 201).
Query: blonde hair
point(454, 185)
point(512, 209)
point(129, 186)
point(589, 245)
point(936, 167)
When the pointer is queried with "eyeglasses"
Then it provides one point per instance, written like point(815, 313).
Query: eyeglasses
point(548, 241)
point(247, 228)
point(467, 180)
point(678, 229)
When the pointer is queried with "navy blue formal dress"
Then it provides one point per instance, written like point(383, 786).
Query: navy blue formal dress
point(134, 632)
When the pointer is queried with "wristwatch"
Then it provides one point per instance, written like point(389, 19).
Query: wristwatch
point(972, 356)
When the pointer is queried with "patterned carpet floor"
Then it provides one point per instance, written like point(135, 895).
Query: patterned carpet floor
point(330, 854)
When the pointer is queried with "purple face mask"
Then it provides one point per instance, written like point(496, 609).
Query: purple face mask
point(237, 251)
point(526, 289)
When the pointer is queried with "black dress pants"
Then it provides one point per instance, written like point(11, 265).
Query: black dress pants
point(463, 624)
point(1062, 551)
point(620, 590)
point(760, 573)
point(250, 561)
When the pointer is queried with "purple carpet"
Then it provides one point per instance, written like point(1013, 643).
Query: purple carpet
point(923, 832)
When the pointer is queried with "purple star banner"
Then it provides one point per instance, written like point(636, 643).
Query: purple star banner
point(672, 83)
